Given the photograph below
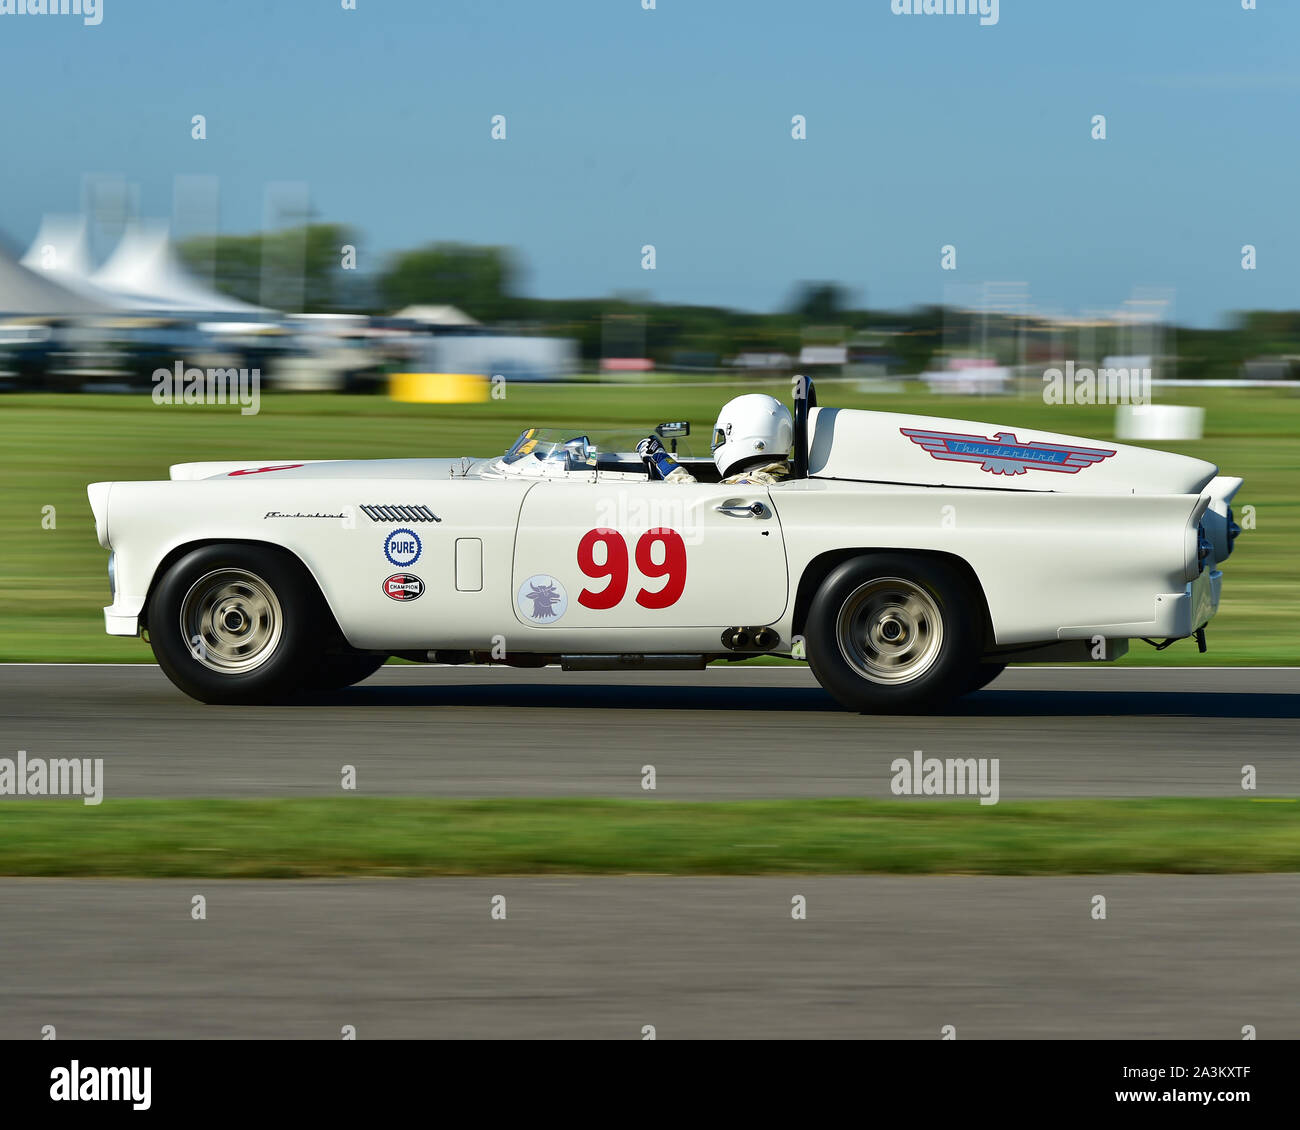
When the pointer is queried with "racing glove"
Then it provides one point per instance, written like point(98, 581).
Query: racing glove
point(661, 463)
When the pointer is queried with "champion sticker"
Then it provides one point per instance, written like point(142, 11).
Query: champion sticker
point(402, 548)
point(403, 586)
point(542, 599)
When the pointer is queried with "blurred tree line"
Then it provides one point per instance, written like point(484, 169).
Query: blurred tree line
point(485, 282)
point(306, 260)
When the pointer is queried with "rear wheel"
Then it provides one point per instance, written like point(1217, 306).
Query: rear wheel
point(237, 624)
point(888, 632)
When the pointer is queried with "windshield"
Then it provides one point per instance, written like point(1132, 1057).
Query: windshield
point(551, 447)
point(574, 449)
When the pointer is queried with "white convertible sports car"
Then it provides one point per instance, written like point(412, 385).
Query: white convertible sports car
point(908, 559)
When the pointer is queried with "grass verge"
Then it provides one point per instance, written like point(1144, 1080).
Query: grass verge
point(372, 837)
point(53, 584)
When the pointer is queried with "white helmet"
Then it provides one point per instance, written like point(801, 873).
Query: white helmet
point(751, 427)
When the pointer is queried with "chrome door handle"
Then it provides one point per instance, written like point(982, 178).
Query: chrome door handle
point(742, 509)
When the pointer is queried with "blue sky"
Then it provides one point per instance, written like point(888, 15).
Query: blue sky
point(672, 127)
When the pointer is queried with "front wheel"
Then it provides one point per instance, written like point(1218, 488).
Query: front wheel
point(891, 633)
point(983, 675)
point(333, 671)
point(236, 624)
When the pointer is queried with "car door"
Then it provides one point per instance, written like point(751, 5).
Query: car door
point(629, 554)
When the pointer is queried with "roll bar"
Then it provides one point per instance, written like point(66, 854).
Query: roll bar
point(805, 398)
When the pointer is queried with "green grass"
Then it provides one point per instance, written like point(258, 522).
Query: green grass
point(53, 583)
point(357, 836)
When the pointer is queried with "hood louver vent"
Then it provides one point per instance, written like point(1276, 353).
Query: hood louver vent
point(392, 513)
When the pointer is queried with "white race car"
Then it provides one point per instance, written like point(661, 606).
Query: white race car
point(908, 559)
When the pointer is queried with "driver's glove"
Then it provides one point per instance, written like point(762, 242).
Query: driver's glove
point(661, 463)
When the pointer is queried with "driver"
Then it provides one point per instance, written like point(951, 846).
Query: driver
point(751, 444)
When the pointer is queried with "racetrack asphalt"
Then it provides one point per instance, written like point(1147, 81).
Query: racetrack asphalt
point(1177, 957)
point(718, 734)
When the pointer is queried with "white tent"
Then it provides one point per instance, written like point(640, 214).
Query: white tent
point(436, 315)
point(60, 248)
point(61, 253)
point(145, 270)
point(25, 292)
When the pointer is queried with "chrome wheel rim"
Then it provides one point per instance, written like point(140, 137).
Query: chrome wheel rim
point(890, 630)
point(231, 621)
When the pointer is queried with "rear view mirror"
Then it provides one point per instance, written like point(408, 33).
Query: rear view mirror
point(674, 430)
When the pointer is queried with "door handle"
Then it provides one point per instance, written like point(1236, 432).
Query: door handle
point(742, 509)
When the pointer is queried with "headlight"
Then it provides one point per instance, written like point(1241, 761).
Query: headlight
point(112, 576)
point(1197, 546)
point(1203, 549)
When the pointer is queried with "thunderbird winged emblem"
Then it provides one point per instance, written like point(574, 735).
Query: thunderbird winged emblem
point(1004, 454)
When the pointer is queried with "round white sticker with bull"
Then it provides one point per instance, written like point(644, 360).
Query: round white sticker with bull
point(542, 599)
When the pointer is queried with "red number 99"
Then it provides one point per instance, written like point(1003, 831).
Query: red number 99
point(673, 567)
point(614, 567)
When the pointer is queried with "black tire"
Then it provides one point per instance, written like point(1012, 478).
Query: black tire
point(983, 675)
point(256, 642)
point(851, 642)
point(335, 670)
